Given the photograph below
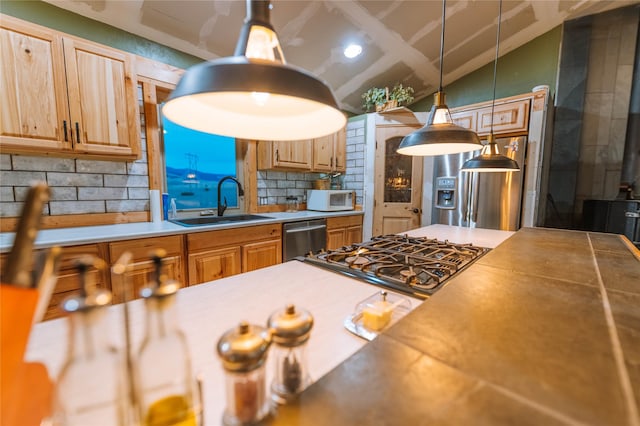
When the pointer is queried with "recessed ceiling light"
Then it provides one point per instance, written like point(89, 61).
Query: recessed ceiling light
point(352, 50)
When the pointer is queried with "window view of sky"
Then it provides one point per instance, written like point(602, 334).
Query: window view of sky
point(195, 162)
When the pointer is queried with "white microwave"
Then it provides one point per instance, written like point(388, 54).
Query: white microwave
point(330, 200)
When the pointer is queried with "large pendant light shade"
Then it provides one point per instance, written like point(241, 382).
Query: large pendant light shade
point(440, 135)
point(490, 159)
point(254, 94)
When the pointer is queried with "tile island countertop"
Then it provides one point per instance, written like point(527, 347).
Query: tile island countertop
point(544, 329)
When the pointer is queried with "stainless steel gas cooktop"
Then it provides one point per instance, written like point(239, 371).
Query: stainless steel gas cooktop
point(417, 266)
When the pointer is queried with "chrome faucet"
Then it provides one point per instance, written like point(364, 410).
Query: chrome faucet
point(223, 207)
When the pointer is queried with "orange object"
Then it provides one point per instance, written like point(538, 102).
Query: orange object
point(25, 388)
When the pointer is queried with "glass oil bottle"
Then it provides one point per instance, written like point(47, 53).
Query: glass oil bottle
point(243, 351)
point(166, 386)
point(290, 330)
point(91, 387)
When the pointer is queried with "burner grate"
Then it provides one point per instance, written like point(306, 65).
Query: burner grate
point(413, 265)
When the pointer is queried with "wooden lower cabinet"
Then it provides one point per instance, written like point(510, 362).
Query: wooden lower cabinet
point(142, 267)
point(214, 264)
point(343, 230)
point(218, 254)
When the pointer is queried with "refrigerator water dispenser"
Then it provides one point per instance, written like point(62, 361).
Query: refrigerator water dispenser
point(446, 192)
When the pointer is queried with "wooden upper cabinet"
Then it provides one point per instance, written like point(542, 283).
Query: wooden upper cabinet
point(329, 153)
point(33, 87)
point(340, 151)
point(62, 95)
point(288, 155)
point(102, 99)
point(507, 117)
point(325, 154)
point(466, 119)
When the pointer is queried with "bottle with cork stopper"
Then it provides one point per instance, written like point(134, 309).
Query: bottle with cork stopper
point(91, 386)
point(243, 351)
point(167, 389)
point(290, 330)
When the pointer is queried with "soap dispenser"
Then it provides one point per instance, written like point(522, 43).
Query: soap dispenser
point(167, 394)
point(91, 386)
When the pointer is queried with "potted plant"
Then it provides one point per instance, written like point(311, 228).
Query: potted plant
point(402, 95)
point(374, 97)
point(384, 99)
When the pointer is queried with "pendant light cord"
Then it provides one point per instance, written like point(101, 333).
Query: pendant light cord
point(444, 8)
point(495, 63)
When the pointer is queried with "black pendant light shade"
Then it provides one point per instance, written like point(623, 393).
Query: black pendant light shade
point(440, 135)
point(490, 159)
point(254, 94)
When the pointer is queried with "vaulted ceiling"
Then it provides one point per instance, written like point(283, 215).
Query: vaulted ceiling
point(400, 38)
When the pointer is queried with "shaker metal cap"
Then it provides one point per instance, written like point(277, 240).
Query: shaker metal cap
point(244, 348)
point(290, 326)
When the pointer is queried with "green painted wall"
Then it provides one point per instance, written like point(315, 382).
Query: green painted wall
point(519, 71)
point(62, 20)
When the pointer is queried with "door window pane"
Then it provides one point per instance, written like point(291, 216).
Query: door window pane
point(194, 164)
point(397, 173)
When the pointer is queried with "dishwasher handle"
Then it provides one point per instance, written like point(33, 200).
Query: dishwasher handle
point(305, 229)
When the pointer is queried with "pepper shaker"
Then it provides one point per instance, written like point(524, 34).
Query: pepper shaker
point(243, 351)
point(290, 330)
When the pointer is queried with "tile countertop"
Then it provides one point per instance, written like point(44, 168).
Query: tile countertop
point(542, 330)
point(128, 231)
point(206, 311)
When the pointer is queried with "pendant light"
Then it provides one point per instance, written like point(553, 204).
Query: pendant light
point(490, 159)
point(254, 94)
point(439, 135)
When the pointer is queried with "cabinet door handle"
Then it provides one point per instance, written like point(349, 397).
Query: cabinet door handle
point(64, 126)
point(277, 156)
point(78, 133)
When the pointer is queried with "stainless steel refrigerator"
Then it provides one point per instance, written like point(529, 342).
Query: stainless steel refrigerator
point(479, 200)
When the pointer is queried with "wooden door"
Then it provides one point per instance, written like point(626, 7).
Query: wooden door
point(141, 273)
point(68, 281)
point(335, 238)
point(397, 183)
point(214, 264)
point(261, 254)
point(293, 154)
point(340, 151)
point(33, 103)
point(102, 99)
point(323, 153)
point(353, 234)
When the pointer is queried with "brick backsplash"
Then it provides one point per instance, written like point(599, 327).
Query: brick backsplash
point(78, 186)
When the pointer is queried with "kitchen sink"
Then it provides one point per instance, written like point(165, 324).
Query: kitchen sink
point(214, 220)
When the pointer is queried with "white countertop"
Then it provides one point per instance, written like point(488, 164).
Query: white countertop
point(206, 311)
point(127, 231)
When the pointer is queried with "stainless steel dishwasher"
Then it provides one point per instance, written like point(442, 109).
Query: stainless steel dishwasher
point(303, 237)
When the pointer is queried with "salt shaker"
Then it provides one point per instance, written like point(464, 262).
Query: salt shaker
point(290, 330)
point(243, 351)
